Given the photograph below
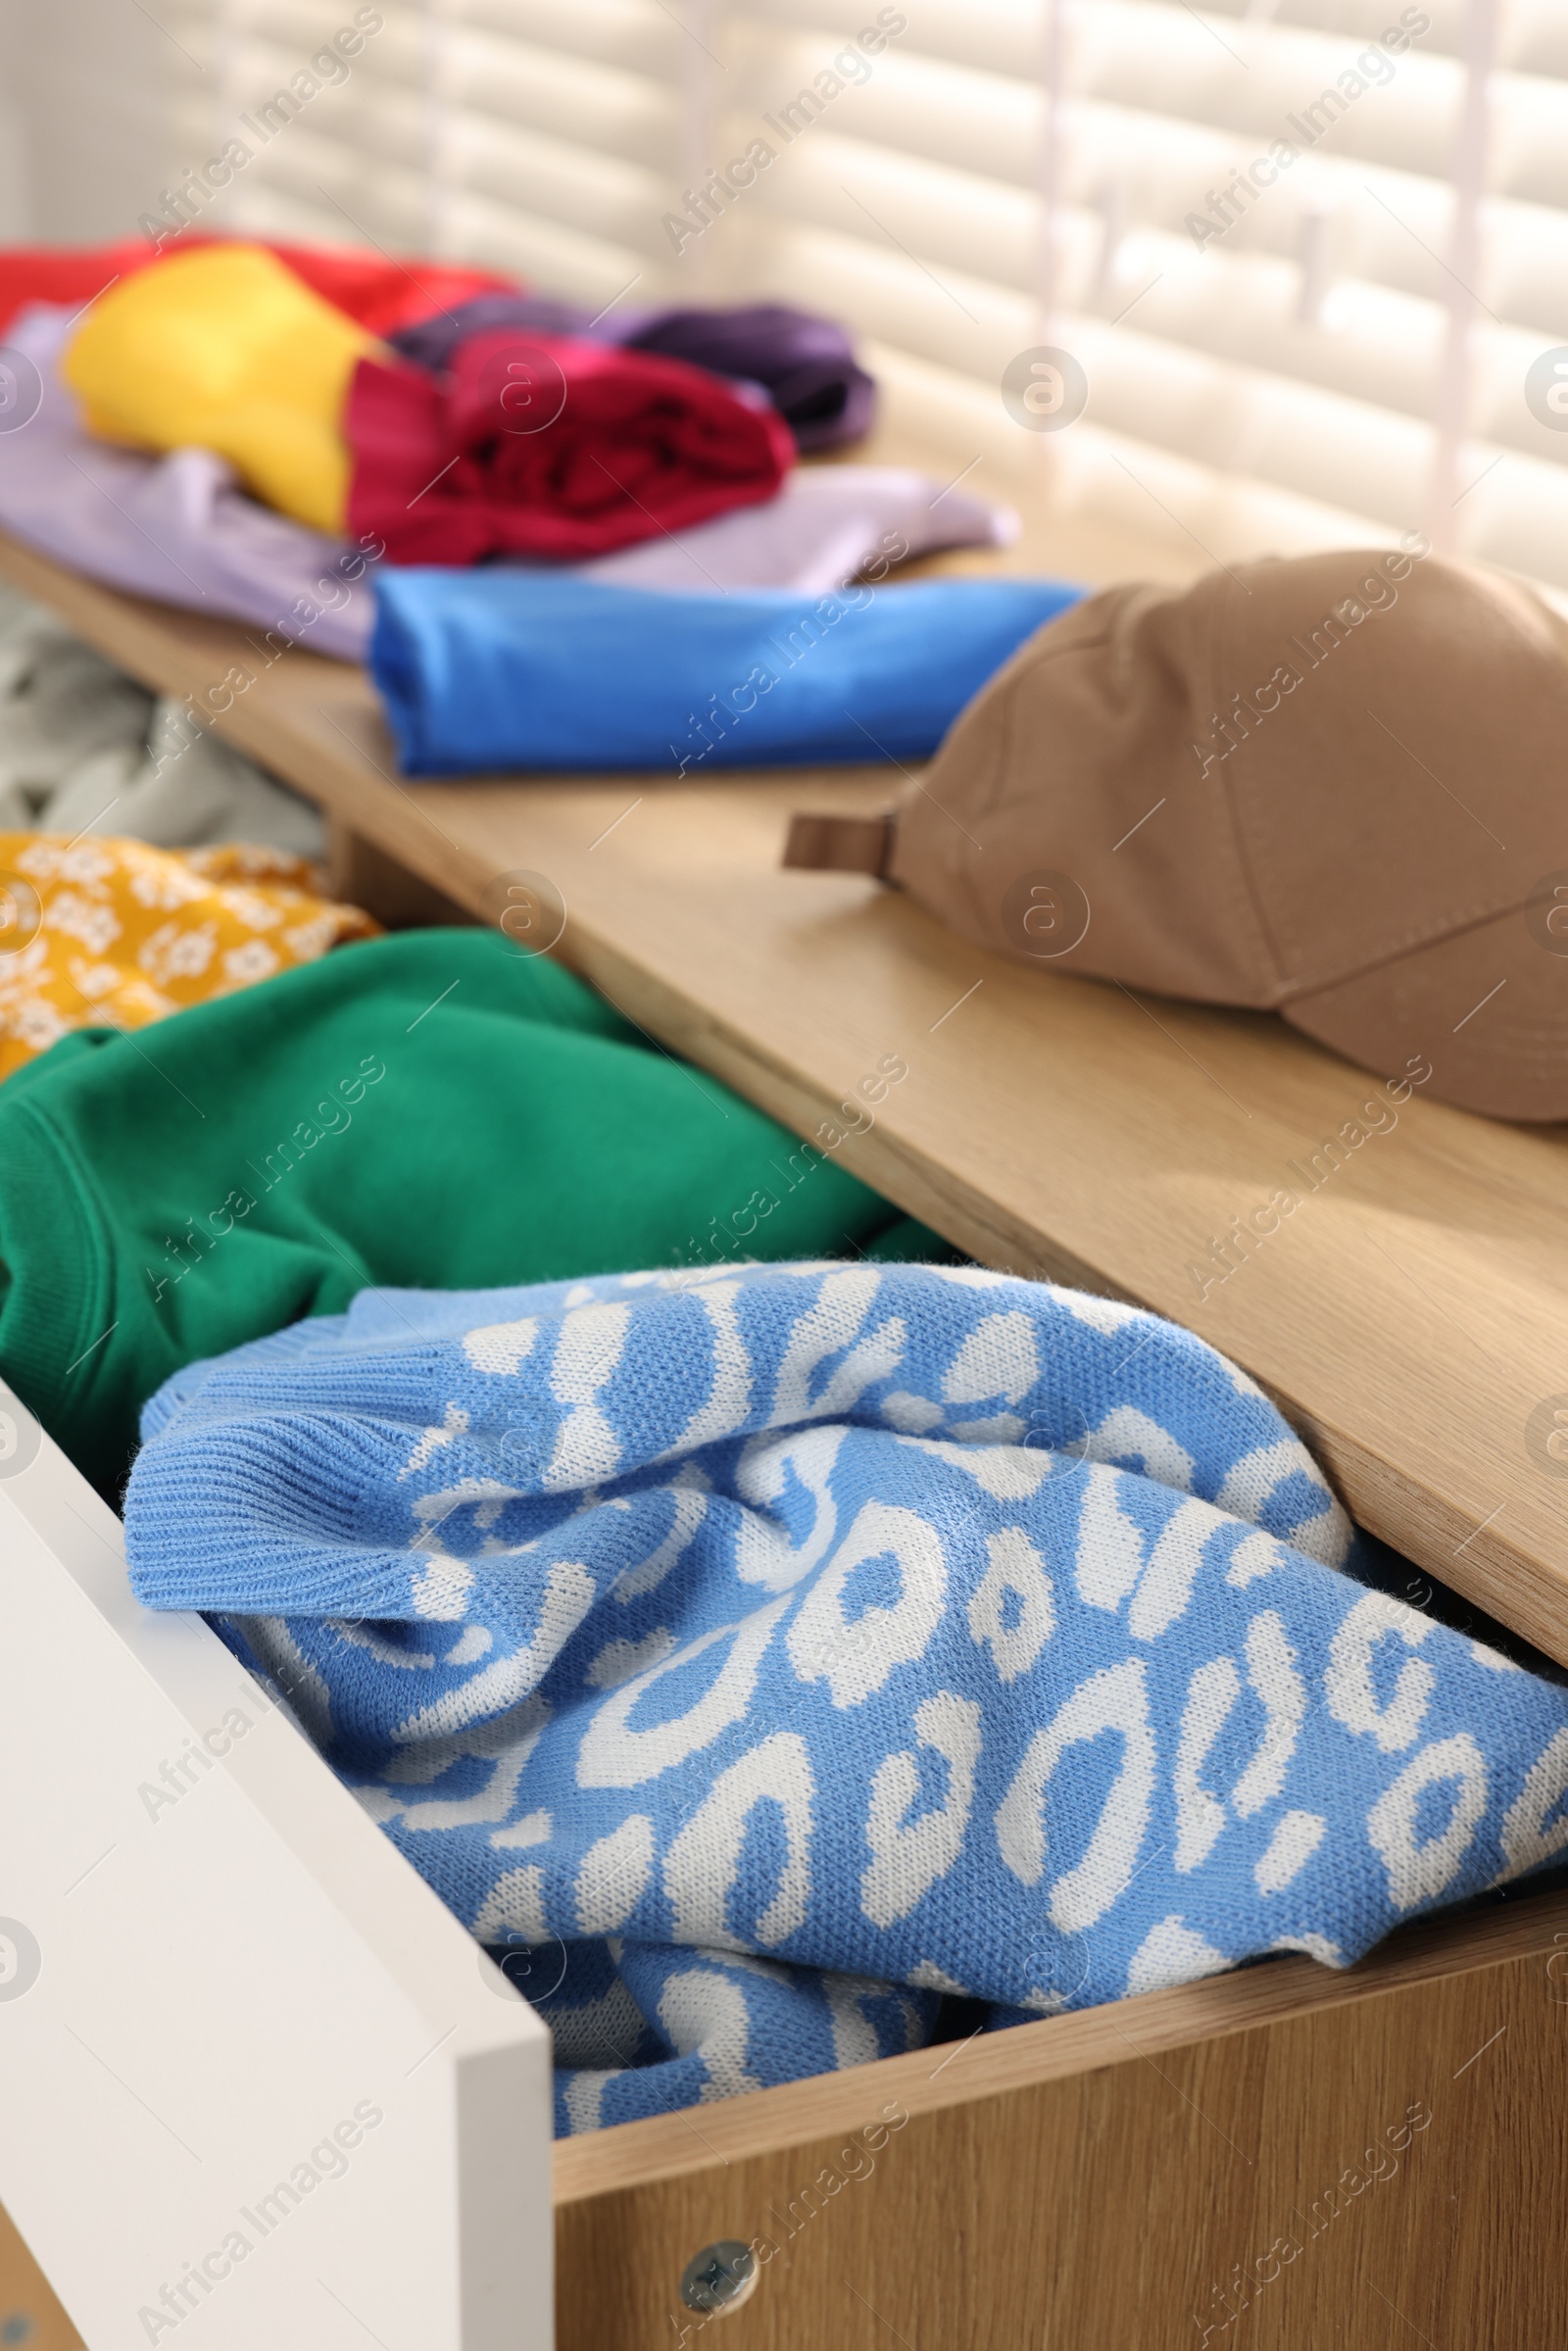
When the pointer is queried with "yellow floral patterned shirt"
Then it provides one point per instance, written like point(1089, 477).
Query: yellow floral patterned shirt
point(113, 933)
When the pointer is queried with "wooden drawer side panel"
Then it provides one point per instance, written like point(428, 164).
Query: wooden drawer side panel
point(1357, 2173)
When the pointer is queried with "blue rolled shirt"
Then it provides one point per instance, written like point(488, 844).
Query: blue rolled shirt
point(496, 669)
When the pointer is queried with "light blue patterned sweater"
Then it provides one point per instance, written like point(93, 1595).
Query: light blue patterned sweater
point(773, 1649)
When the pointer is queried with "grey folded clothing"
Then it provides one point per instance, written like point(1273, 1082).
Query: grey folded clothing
point(84, 749)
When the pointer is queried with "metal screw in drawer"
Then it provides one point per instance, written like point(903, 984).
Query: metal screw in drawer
point(720, 2278)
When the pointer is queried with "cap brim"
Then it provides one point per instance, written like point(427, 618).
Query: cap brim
point(1487, 1007)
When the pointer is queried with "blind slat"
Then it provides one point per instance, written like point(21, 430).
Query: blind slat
point(1341, 343)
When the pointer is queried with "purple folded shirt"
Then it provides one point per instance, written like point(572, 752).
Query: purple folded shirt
point(178, 527)
point(806, 365)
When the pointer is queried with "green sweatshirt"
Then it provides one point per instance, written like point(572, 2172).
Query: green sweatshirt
point(431, 1110)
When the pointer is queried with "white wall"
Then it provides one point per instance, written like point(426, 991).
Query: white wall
point(15, 205)
point(99, 108)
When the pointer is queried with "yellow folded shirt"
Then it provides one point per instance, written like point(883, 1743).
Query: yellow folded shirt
point(226, 348)
point(113, 933)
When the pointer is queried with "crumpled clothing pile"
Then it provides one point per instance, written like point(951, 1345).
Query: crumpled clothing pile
point(554, 445)
point(105, 933)
point(181, 528)
point(773, 1652)
point(84, 749)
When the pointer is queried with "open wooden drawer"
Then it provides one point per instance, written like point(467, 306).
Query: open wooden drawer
point(257, 2082)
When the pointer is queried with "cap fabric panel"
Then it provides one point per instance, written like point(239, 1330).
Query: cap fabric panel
point(1408, 782)
point(1487, 1008)
point(1075, 763)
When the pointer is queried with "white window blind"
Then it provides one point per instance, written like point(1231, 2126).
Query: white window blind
point(1311, 255)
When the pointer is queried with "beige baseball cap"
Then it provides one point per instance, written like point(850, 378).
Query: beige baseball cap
point(1333, 787)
